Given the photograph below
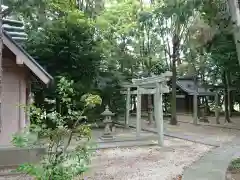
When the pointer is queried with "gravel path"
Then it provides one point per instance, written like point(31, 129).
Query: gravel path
point(145, 163)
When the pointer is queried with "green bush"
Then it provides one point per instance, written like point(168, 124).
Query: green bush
point(235, 164)
point(61, 162)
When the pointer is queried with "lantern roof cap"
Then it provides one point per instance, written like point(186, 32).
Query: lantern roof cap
point(107, 112)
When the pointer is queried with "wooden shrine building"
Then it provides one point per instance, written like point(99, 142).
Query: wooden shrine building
point(186, 89)
point(191, 99)
point(19, 71)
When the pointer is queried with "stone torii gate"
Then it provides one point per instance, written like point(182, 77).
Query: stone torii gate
point(156, 85)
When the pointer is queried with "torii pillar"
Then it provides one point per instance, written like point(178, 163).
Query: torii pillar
point(139, 119)
point(158, 113)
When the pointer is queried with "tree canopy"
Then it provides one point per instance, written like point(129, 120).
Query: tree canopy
point(96, 43)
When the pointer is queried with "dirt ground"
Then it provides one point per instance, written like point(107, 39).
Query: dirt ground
point(233, 175)
point(235, 120)
point(144, 163)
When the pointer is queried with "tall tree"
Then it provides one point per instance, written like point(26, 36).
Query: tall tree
point(222, 48)
point(67, 47)
point(175, 19)
point(92, 8)
point(1, 68)
point(117, 23)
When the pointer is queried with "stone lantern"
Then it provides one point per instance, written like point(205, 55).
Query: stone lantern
point(108, 123)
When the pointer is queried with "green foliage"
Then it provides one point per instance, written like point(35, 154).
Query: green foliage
point(159, 68)
point(235, 164)
point(116, 25)
point(108, 42)
point(64, 160)
point(108, 87)
point(223, 50)
point(67, 48)
point(119, 18)
point(63, 40)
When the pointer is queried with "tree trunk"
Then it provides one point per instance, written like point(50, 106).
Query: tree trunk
point(234, 12)
point(122, 53)
point(228, 78)
point(217, 109)
point(1, 70)
point(226, 104)
point(231, 104)
point(174, 86)
point(174, 79)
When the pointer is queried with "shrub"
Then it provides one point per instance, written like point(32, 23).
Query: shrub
point(235, 164)
point(61, 162)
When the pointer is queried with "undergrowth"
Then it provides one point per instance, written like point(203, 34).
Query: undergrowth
point(235, 164)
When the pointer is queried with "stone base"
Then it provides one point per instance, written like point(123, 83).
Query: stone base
point(205, 120)
point(12, 156)
point(107, 137)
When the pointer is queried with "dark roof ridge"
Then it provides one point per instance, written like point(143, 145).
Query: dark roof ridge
point(28, 55)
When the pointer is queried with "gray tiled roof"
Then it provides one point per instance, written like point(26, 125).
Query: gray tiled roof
point(15, 29)
point(188, 86)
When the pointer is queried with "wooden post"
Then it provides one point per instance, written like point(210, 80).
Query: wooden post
point(30, 101)
point(128, 98)
point(22, 101)
point(139, 98)
point(195, 109)
point(159, 113)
